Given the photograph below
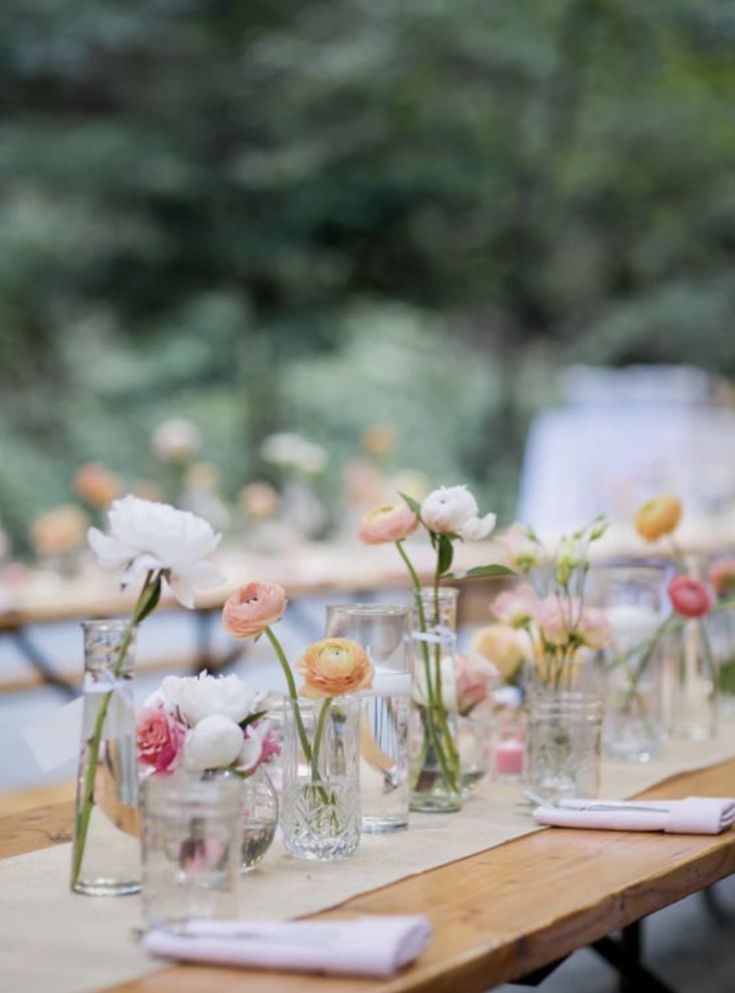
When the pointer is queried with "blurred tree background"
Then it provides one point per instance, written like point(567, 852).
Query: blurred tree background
point(322, 214)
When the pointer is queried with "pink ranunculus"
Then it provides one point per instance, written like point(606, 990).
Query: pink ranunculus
point(593, 629)
point(689, 596)
point(554, 619)
point(253, 608)
point(271, 746)
point(392, 522)
point(160, 739)
point(516, 606)
point(475, 678)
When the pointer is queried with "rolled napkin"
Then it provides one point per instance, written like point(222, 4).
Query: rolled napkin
point(366, 946)
point(694, 815)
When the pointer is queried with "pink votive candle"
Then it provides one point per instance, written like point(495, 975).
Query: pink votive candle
point(508, 757)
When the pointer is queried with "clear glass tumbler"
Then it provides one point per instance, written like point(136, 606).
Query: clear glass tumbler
point(563, 744)
point(384, 710)
point(192, 847)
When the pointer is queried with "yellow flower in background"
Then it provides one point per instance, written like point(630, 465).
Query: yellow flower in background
point(502, 645)
point(658, 516)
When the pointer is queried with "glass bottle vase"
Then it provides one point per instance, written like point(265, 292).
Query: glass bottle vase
point(320, 803)
point(436, 775)
point(694, 699)
point(105, 848)
point(260, 817)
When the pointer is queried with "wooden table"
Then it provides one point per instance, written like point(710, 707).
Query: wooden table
point(354, 572)
point(498, 915)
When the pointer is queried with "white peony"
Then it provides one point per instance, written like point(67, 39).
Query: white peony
point(197, 697)
point(176, 440)
point(252, 747)
point(146, 536)
point(453, 510)
point(214, 743)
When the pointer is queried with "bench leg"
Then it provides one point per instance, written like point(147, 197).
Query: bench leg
point(46, 671)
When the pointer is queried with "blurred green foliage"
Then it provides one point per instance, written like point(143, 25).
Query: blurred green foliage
point(323, 213)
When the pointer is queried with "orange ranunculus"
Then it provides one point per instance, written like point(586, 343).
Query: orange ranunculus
point(334, 667)
point(59, 531)
point(253, 608)
point(392, 522)
point(658, 517)
point(96, 485)
point(722, 577)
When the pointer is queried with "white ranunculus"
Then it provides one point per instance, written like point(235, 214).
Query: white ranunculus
point(214, 743)
point(197, 697)
point(449, 683)
point(147, 536)
point(453, 510)
point(176, 440)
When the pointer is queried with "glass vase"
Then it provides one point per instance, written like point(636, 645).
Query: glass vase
point(633, 598)
point(260, 817)
point(436, 776)
point(105, 848)
point(475, 746)
point(320, 804)
point(721, 631)
point(192, 845)
point(694, 698)
point(384, 718)
point(563, 743)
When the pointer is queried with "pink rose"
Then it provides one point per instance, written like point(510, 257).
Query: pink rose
point(475, 678)
point(593, 629)
point(160, 739)
point(392, 522)
point(253, 608)
point(516, 606)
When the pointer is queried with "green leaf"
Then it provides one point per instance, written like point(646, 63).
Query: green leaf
point(482, 571)
point(413, 505)
point(252, 719)
point(445, 554)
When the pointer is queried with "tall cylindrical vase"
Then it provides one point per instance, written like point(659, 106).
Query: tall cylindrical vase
point(694, 703)
point(106, 850)
point(382, 630)
point(320, 804)
point(436, 775)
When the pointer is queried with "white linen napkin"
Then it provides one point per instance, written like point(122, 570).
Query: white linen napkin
point(366, 946)
point(694, 815)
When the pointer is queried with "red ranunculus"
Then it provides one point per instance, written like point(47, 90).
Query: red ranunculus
point(689, 596)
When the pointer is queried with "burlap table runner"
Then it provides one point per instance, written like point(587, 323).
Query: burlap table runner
point(54, 942)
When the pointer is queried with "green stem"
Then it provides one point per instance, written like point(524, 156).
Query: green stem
point(318, 738)
point(300, 729)
point(93, 748)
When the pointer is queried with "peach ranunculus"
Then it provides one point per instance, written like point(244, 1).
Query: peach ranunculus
point(97, 485)
point(253, 608)
point(516, 606)
point(502, 645)
point(391, 522)
point(58, 531)
point(722, 577)
point(334, 667)
point(658, 517)
point(160, 739)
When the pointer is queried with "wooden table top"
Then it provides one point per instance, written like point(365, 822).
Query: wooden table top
point(497, 915)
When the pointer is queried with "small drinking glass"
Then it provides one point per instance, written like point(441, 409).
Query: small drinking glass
point(384, 710)
point(563, 745)
point(192, 845)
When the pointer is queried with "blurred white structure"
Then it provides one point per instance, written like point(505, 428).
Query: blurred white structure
point(623, 436)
